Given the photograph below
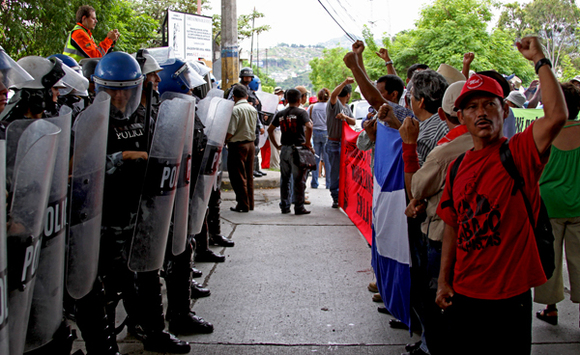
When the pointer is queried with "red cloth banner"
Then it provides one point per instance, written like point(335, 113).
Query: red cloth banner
point(356, 182)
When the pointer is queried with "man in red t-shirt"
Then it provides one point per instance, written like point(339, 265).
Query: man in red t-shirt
point(489, 258)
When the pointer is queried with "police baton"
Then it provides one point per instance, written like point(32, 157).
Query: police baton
point(149, 103)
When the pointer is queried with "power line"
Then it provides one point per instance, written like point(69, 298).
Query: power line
point(335, 20)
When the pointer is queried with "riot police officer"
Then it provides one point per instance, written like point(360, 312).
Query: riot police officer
point(68, 96)
point(177, 77)
point(38, 326)
point(120, 76)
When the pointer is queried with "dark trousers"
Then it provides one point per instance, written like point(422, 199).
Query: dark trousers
point(241, 173)
point(290, 172)
point(490, 326)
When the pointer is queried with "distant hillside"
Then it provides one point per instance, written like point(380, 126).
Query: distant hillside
point(288, 63)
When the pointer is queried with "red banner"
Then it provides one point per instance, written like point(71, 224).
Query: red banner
point(356, 182)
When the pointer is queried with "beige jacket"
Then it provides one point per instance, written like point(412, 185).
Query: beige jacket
point(428, 182)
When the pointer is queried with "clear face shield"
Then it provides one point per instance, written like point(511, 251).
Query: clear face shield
point(189, 76)
point(11, 73)
point(124, 98)
point(73, 80)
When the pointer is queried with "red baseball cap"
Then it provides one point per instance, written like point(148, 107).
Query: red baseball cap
point(479, 83)
point(312, 99)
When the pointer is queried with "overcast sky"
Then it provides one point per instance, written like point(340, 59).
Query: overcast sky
point(307, 22)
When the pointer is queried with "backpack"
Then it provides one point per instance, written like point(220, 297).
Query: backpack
point(543, 229)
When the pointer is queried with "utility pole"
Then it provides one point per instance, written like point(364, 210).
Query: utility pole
point(252, 43)
point(229, 48)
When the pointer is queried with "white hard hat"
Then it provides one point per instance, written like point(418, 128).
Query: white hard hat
point(59, 74)
point(150, 66)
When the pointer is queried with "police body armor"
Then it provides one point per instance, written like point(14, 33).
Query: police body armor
point(86, 198)
point(157, 198)
point(181, 207)
point(216, 121)
point(4, 334)
point(47, 299)
point(31, 149)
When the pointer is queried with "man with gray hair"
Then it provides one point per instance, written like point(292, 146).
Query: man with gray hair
point(427, 187)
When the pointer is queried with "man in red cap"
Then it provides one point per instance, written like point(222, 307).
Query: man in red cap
point(489, 259)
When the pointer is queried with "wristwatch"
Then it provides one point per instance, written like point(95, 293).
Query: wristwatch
point(389, 62)
point(542, 62)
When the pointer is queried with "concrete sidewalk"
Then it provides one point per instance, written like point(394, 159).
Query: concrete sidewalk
point(298, 285)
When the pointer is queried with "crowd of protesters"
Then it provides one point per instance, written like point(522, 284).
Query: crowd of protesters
point(475, 187)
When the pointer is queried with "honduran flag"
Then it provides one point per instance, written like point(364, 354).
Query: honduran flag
point(390, 248)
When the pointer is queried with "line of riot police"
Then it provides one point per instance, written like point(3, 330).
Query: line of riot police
point(109, 167)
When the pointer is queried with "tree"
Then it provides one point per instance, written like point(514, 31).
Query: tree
point(329, 70)
point(554, 21)
point(36, 27)
point(448, 29)
point(245, 29)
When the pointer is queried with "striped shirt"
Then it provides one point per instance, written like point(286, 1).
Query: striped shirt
point(430, 132)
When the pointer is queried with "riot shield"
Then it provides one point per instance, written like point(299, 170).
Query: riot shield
point(216, 123)
point(86, 198)
point(181, 207)
point(4, 334)
point(214, 93)
point(147, 249)
point(46, 307)
point(269, 101)
point(31, 148)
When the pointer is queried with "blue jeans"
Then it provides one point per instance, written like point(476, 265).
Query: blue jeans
point(332, 165)
point(320, 138)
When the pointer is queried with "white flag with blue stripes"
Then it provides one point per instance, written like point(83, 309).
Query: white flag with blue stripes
point(390, 249)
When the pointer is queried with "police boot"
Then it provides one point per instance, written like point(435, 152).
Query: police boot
point(178, 282)
point(214, 222)
point(202, 252)
point(61, 342)
point(148, 324)
point(96, 328)
point(195, 273)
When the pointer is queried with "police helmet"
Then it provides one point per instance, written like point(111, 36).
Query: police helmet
point(46, 72)
point(179, 76)
point(255, 83)
point(68, 61)
point(65, 86)
point(89, 65)
point(119, 74)
point(147, 62)
point(246, 72)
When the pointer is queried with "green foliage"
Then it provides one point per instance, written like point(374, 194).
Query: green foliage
point(35, 27)
point(329, 69)
point(268, 84)
point(554, 21)
point(245, 23)
point(301, 79)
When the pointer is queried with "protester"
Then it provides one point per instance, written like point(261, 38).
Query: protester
point(317, 113)
point(489, 256)
point(81, 44)
point(296, 130)
point(303, 95)
point(337, 111)
point(561, 193)
point(274, 153)
point(240, 139)
point(576, 81)
point(427, 187)
point(516, 99)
